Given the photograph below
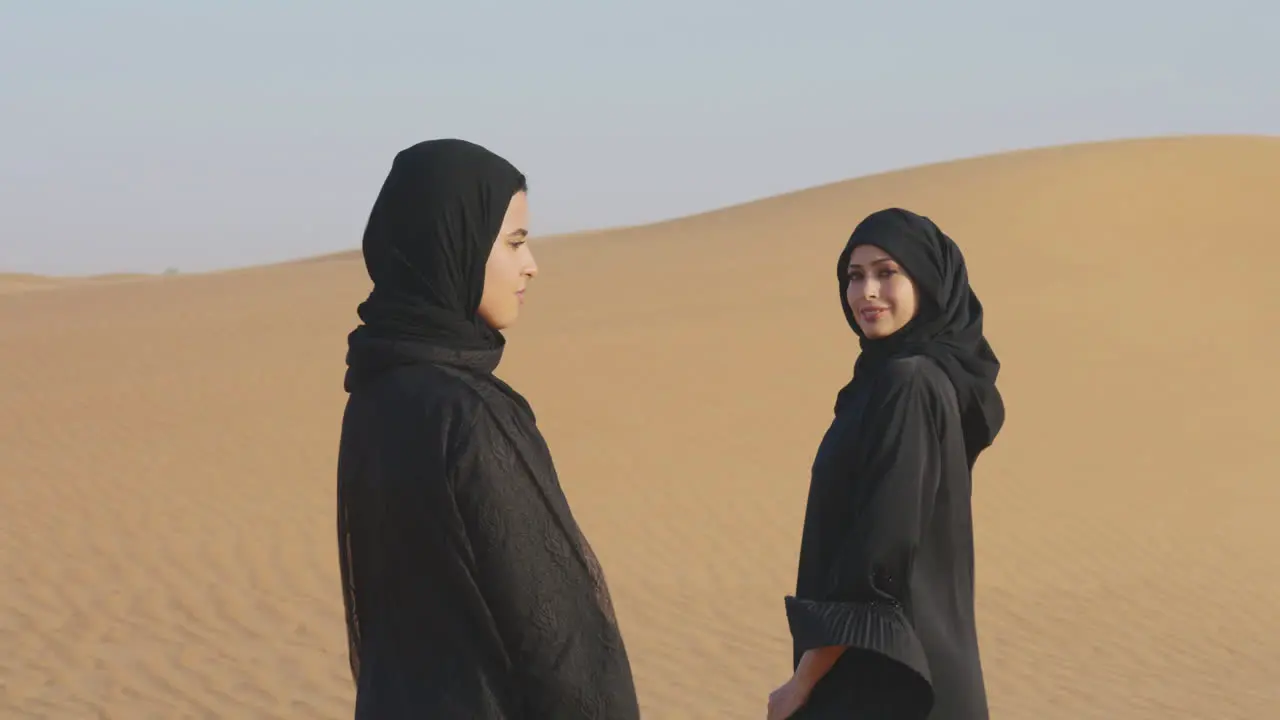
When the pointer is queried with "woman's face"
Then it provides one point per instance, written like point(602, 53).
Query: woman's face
point(881, 295)
point(510, 267)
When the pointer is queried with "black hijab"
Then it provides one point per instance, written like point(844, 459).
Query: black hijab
point(947, 327)
point(425, 247)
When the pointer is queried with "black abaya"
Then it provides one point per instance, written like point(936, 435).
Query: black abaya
point(887, 559)
point(469, 589)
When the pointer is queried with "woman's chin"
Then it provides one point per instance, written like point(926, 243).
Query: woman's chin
point(876, 331)
point(500, 321)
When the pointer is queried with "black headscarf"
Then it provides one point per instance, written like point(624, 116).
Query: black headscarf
point(948, 324)
point(425, 247)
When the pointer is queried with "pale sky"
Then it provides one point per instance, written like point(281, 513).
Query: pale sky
point(139, 135)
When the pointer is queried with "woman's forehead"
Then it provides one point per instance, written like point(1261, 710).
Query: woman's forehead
point(868, 255)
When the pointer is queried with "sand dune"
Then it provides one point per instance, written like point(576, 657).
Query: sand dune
point(11, 283)
point(167, 448)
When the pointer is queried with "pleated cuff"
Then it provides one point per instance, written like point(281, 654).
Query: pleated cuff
point(880, 628)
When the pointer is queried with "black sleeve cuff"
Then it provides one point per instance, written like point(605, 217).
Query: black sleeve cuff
point(876, 627)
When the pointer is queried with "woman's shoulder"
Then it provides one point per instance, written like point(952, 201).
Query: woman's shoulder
point(915, 380)
point(422, 399)
point(915, 373)
point(477, 407)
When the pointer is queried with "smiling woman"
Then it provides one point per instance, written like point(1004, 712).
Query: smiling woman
point(882, 620)
point(881, 294)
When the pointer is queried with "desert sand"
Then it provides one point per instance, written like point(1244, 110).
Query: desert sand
point(167, 447)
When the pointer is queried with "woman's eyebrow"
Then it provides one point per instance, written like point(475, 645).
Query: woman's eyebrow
point(878, 261)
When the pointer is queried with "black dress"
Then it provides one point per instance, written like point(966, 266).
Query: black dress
point(886, 559)
point(470, 590)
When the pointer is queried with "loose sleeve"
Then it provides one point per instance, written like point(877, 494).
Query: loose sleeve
point(863, 605)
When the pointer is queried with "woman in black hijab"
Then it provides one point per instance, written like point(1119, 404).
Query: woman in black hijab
point(469, 589)
point(882, 620)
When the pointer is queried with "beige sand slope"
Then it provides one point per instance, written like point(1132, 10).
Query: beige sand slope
point(167, 448)
point(11, 283)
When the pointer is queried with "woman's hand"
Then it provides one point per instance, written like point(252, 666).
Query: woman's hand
point(787, 699)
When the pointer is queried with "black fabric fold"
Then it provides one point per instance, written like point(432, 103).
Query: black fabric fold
point(880, 627)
